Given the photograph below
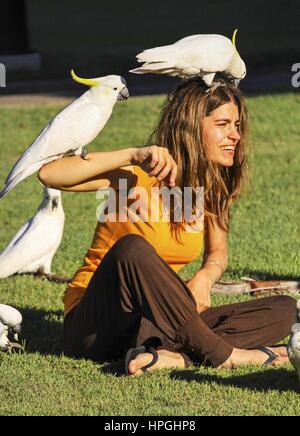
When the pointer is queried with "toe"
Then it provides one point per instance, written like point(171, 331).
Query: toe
point(139, 362)
point(132, 368)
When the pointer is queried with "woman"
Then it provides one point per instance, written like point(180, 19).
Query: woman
point(128, 296)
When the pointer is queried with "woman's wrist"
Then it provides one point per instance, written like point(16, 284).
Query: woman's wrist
point(204, 275)
point(133, 155)
point(214, 268)
point(211, 272)
point(217, 263)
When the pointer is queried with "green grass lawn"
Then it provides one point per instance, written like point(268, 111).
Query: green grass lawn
point(264, 242)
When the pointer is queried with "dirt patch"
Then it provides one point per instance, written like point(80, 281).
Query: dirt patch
point(31, 100)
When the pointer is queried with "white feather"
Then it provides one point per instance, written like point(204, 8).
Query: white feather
point(73, 128)
point(9, 316)
point(294, 348)
point(36, 243)
point(195, 55)
point(4, 342)
point(10, 321)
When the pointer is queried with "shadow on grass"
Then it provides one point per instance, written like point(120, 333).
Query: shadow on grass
point(279, 380)
point(116, 368)
point(42, 331)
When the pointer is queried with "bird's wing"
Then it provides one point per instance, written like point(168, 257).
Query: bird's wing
point(196, 54)
point(163, 53)
point(9, 316)
point(294, 359)
point(156, 54)
point(201, 38)
point(31, 155)
point(36, 239)
point(2, 329)
point(188, 39)
point(207, 53)
point(23, 175)
point(182, 61)
point(10, 261)
point(74, 127)
point(40, 149)
point(157, 68)
point(19, 235)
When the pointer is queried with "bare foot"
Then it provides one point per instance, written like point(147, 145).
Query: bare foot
point(280, 350)
point(166, 359)
point(255, 357)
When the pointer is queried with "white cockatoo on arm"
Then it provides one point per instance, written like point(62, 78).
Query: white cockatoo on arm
point(195, 56)
point(10, 323)
point(35, 244)
point(72, 129)
point(294, 344)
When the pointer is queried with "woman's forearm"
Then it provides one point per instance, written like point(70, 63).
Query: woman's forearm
point(74, 170)
point(215, 264)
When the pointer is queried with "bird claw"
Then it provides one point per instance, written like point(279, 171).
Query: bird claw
point(84, 154)
point(214, 86)
point(12, 347)
point(15, 347)
point(57, 279)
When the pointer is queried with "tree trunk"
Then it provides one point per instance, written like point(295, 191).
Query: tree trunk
point(257, 288)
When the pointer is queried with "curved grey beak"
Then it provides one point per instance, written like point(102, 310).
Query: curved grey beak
point(123, 94)
point(17, 330)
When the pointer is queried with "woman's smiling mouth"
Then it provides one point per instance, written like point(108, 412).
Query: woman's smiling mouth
point(229, 149)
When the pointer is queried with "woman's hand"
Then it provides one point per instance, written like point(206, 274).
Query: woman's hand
point(200, 286)
point(156, 161)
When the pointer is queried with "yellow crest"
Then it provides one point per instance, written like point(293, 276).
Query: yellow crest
point(234, 38)
point(88, 82)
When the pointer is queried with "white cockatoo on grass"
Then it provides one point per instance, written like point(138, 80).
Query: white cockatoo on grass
point(10, 323)
point(72, 129)
point(35, 244)
point(195, 56)
point(294, 344)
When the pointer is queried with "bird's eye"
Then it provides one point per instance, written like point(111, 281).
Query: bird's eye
point(115, 89)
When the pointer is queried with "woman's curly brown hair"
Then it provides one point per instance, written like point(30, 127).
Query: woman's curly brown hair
point(180, 129)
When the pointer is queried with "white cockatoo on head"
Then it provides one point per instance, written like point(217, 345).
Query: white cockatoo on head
point(35, 244)
point(72, 129)
point(195, 56)
point(294, 344)
point(10, 323)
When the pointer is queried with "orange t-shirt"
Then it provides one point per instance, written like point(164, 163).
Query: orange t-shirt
point(157, 232)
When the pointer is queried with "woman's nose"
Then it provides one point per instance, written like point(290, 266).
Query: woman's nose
point(234, 133)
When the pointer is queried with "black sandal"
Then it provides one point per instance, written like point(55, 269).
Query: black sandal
point(272, 356)
point(134, 352)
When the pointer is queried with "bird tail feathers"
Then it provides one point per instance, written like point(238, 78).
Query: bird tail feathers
point(158, 54)
point(19, 177)
point(158, 68)
point(7, 266)
point(29, 158)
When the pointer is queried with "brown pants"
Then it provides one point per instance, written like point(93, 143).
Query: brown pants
point(135, 298)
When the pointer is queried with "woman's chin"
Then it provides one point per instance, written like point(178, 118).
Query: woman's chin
point(226, 162)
